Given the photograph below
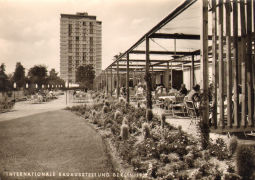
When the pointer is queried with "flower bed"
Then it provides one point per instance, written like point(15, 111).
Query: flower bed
point(160, 151)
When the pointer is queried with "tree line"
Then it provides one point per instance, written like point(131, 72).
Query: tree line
point(37, 76)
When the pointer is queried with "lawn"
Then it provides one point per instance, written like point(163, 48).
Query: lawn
point(57, 141)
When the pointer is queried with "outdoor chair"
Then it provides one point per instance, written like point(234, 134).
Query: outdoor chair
point(159, 103)
point(168, 106)
point(178, 106)
point(191, 110)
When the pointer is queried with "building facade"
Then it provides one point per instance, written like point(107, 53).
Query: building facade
point(80, 44)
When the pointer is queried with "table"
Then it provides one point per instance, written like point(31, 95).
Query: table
point(172, 98)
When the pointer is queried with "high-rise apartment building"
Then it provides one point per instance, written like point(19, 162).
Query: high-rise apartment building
point(80, 44)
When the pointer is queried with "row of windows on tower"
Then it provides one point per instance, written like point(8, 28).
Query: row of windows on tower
point(84, 58)
point(70, 29)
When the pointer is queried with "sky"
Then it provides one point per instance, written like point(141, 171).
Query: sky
point(30, 29)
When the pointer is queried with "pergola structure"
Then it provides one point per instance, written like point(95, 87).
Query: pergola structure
point(230, 55)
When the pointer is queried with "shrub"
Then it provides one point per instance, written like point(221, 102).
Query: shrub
point(105, 109)
point(232, 145)
point(149, 115)
point(164, 158)
point(163, 120)
point(106, 103)
point(125, 121)
point(124, 132)
point(122, 100)
point(173, 157)
point(115, 129)
point(245, 161)
point(146, 130)
point(189, 159)
point(219, 149)
point(117, 115)
point(93, 113)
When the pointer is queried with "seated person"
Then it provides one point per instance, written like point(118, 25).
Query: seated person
point(183, 91)
point(164, 91)
point(194, 96)
point(159, 90)
point(139, 91)
point(173, 91)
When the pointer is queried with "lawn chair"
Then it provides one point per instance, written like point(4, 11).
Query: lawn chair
point(168, 106)
point(191, 110)
point(178, 106)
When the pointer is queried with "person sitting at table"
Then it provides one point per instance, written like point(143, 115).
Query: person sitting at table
point(159, 90)
point(183, 91)
point(139, 91)
point(194, 94)
point(173, 91)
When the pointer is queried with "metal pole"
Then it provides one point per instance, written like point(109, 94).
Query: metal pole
point(118, 80)
point(127, 79)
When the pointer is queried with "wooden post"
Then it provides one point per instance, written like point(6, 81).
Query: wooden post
point(221, 63)
point(236, 69)
point(253, 63)
point(204, 71)
point(243, 32)
point(229, 64)
point(127, 79)
point(106, 81)
point(171, 65)
point(147, 74)
point(111, 80)
point(167, 77)
point(214, 62)
point(249, 64)
point(192, 72)
point(118, 80)
point(133, 78)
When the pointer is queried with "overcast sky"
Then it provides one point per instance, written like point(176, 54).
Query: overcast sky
point(29, 29)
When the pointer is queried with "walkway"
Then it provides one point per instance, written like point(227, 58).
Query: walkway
point(25, 108)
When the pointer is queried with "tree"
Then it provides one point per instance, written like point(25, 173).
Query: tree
point(85, 76)
point(5, 84)
point(19, 75)
point(54, 79)
point(38, 74)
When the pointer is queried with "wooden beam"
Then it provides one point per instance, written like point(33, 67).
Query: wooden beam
point(244, 79)
point(253, 62)
point(167, 77)
point(229, 64)
point(177, 36)
point(127, 79)
point(204, 72)
point(249, 64)
point(214, 63)
point(148, 75)
point(107, 82)
point(143, 60)
point(118, 81)
point(185, 53)
point(234, 129)
point(221, 63)
point(192, 72)
point(178, 10)
point(111, 81)
point(236, 68)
